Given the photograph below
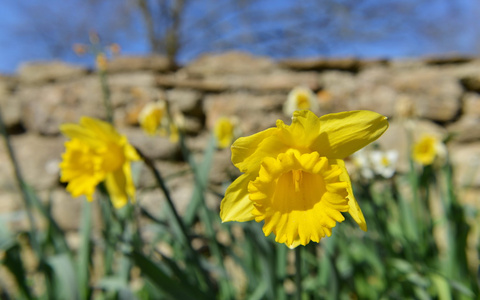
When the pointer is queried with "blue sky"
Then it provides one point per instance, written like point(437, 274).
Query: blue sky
point(336, 28)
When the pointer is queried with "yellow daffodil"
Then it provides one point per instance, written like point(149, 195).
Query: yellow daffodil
point(224, 131)
point(96, 152)
point(300, 98)
point(155, 118)
point(295, 178)
point(426, 149)
point(151, 116)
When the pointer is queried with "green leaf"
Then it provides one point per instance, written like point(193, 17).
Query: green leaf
point(201, 174)
point(58, 235)
point(175, 288)
point(83, 255)
point(116, 284)
point(14, 264)
point(64, 280)
point(442, 287)
point(259, 292)
point(7, 239)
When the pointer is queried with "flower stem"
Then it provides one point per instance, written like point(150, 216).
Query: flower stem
point(106, 95)
point(22, 186)
point(298, 273)
point(177, 220)
point(101, 64)
point(226, 290)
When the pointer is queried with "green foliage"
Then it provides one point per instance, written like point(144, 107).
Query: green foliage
point(415, 247)
point(399, 257)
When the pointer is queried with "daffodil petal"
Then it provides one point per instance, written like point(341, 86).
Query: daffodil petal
point(303, 131)
point(75, 131)
point(342, 134)
point(116, 183)
point(101, 129)
point(131, 153)
point(90, 131)
point(248, 152)
point(129, 185)
point(236, 206)
point(354, 209)
point(83, 186)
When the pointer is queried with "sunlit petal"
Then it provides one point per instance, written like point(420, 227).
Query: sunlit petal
point(344, 133)
point(116, 183)
point(236, 206)
point(248, 152)
point(353, 207)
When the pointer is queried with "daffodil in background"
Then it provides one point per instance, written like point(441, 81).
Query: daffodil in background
point(300, 98)
point(384, 162)
point(155, 118)
point(176, 125)
point(101, 62)
point(225, 131)
point(427, 149)
point(295, 178)
point(96, 153)
point(151, 116)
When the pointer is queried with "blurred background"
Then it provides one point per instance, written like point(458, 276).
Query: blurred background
point(415, 62)
point(184, 29)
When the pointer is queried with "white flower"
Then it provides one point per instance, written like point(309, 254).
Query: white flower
point(362, 163)
point(384, 162)
point(300, 98)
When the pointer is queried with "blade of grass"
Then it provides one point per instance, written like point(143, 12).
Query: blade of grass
point(127, 221)
point(298, 273)
point(108, 232)
point(64, 277)
point(281, 270)
point(83, 254)
point(261, 257)
point(457, 232)
point(198, 203)
point(442, 287)
point(178, 225)
point(201, 178)
point(330, 276)
point(22, 186)
point(177, 289)
point(117, 286)
point(259, 292)
point(14, 263)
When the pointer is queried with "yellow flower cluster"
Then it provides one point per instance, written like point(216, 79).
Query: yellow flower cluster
point(96, 153)
point(295, 178)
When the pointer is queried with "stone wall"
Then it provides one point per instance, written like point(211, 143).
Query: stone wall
point(439, 95)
